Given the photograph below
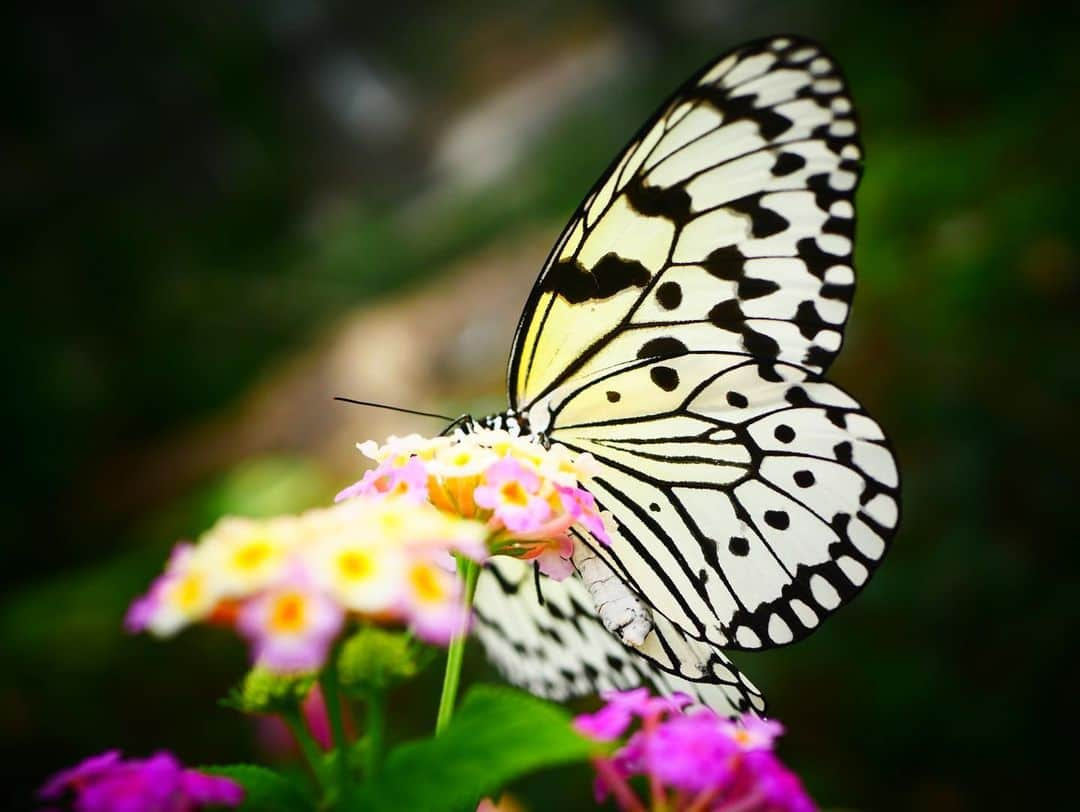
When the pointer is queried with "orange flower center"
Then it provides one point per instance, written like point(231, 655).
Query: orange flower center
point(288, 614)
point(426, 583)
point(513, 493)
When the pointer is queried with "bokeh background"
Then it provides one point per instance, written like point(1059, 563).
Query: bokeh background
point(219, 215)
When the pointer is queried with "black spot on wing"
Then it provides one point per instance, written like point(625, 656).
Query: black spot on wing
point(760, 345)
point(669, 295)
point(844, 226)
point(665, 347)
point(728, 316)
point(817, 261)
point(725, 263)
point(751, 288)
point(611, 275)
point(840, 293)
point(665, 377)
point(786, 163)
point(764, 221)
point(672, 203)
point(818, 357)
point(777, 519)
point(797, 396)
point(808, 321)
point(770, 123)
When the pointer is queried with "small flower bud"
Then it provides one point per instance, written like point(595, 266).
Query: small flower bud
point(264, 691)
point(374, 658)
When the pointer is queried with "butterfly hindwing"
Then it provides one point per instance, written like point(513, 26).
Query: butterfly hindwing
point(545, 636)
point(725, 225)
point(749, 499)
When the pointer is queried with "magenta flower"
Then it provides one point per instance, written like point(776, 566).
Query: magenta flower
point(645, 706)
point(691, 753)
point(606, 725)
point(781, 788)
point(511, 491)
point(692, 761)
point(160, 783)
point(291, 625)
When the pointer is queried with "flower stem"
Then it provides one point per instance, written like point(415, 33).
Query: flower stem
point(310, 750)
point(376, 727)
point(617, 785)
point(702, 800)
point(456, 653)
point(747, 803)
point(332, 697)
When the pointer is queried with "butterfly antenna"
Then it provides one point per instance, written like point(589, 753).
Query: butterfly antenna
point(392, 408)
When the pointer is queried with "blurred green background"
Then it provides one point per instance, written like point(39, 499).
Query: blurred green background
point(219, 215)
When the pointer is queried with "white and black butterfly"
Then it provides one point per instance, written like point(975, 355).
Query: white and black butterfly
point(678, 332)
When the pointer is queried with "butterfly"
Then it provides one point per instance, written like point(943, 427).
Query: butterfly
point(678, 333)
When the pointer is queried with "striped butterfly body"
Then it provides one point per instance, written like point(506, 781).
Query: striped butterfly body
point(679, 332)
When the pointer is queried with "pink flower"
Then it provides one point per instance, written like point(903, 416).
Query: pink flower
point(754, 733)
point(511, 491)
point(291, 625)
point(581, 505)
point(105, 783)
point(408, 480)
point(187, 591)
point(433, 601)
point(553, 557)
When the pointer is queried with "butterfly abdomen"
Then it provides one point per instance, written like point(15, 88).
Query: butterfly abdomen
point(621, 611)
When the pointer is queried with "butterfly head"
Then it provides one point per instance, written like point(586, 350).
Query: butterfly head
point(510, 421)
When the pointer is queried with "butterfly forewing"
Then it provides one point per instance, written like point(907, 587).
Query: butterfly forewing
point(725, 225)
point(678, 332)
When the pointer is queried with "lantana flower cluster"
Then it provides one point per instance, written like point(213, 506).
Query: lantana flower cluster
point(693, 761)
point(290, 583)
point(383, 553)
point(528, 496)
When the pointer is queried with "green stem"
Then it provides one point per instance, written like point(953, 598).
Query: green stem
point(308, 748)
point(332, 698)
point(376, 726)
point(456, 653)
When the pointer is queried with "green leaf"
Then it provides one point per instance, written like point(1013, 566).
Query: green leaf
point(497, 735)
point(264, 789)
